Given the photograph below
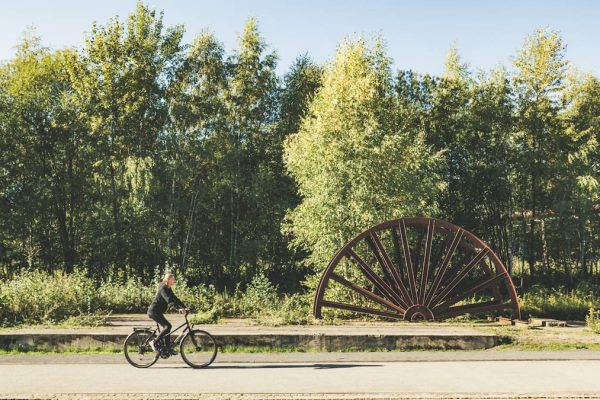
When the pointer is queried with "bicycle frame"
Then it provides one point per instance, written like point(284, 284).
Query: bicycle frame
point(180, 337)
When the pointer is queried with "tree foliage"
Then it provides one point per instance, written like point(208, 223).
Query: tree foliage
point(354, 163)
point(138, 151)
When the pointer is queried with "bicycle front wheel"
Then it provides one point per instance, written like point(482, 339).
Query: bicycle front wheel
point(137, 350)
point(198, 349)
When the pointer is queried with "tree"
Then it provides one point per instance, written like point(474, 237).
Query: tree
point(299, 87)
point(446, 127)
point(489, 169)
point(44, 158)
point(538, 83)
point(225, 114)
point(121, 80)
point(352, 166)
point(578, 193)
point(197, 116)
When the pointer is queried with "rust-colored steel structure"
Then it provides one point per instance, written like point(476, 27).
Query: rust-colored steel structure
point(416, 269)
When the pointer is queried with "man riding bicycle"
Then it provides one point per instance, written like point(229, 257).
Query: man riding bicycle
point(164, 297)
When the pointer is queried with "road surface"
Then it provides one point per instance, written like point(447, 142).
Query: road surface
point(474, 379)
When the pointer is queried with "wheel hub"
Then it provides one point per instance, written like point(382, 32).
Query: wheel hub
point(418, 312)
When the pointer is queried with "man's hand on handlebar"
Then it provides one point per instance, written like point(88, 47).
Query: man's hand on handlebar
point(184, 310)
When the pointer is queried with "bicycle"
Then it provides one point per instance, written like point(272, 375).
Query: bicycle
point(198, 348)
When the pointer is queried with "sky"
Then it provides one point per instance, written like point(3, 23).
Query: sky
point(487, 33)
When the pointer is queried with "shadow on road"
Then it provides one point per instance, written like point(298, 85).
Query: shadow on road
point(279, 366)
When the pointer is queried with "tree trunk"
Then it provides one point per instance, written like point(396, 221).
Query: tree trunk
point(544, 247)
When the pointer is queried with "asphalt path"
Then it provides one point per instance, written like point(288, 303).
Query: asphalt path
point(318, 357)
point(550, 377)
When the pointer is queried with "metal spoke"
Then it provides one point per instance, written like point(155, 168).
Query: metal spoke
point(442, 270)
point(472, 290)
point(367, 294)
point(398, 253)
point(436, 258)
point(475, 308)
point(417, 266)
point(384, 259)
point(408, 262)
point(376, 280)
point(365, 310)
point(387, 273)
point(460, 276)
point(426, 257)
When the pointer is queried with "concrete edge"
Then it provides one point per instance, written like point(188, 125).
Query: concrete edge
point(305, 342)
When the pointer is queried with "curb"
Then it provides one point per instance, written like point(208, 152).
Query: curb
point(300, 342)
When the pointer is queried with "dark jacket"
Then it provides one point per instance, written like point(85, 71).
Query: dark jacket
point(164, 297)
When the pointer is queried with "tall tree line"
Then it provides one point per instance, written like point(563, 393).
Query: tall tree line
point(139, 151)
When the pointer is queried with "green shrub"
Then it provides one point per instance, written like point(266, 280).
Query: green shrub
point(592, 321)
point(294, 309)
point(75, 299)
point(553, 303)
point(123, 296)
point(205, 317)
point(36, 296)
point(200, 298)
point(260, 295)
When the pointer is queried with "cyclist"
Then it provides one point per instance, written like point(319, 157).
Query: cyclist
point(164, 297)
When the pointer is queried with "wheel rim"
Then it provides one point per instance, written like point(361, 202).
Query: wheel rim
point(198, 349)
point(416, 269)
point(138, 351)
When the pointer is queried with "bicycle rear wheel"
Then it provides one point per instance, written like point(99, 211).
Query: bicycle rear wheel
point(198, 349)
point(137, 350)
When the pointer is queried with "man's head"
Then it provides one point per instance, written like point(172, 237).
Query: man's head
point(169, 279)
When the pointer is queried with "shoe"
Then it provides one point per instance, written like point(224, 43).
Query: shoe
point(154, 349)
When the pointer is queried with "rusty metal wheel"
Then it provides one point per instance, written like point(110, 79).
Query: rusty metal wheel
point(413, 269)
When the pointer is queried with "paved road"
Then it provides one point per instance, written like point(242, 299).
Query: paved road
point(316, 357)
point(512, 378)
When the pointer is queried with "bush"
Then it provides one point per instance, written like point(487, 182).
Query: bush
point(37, 296)
point(76, 299)
point(554, 303)
point(200, 298)
point(260, 295)
point(123, 296)
point(592, 321)
point(205, 317)
point(292, 309)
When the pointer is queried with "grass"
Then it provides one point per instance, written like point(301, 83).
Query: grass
point(540, 346)
point(515, 338)
point(73, 350)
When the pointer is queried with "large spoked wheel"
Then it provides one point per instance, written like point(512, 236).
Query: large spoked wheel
point(198, 349)
point(416, 269)
point(137, 350)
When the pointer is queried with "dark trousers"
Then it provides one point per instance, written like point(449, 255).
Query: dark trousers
point(164, 325)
